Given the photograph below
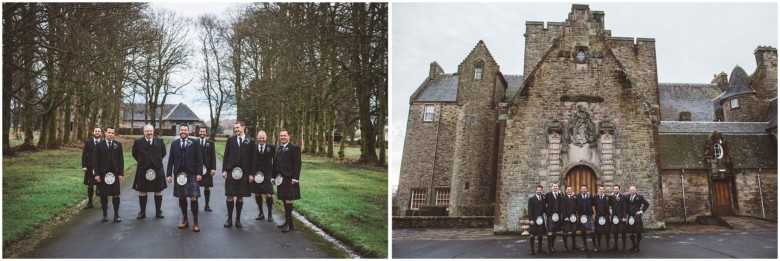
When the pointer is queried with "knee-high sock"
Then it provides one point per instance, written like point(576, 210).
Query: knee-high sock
point(550, 241)
point(606, 239)
point(573, 240)
point(194, 209)
point(593, 238)
point(142, 202)
point(269, 202)
point(230, 209)
point(207, 192)
point(288, 213)
point(239, 206)
point(565, 241)
point(633, 240)
point(615, 236)
point(539, 238)
point(624, 240)
point(638, 238)
point(104, 205)
point(157, 203)
point(584, 240)
point(532, 244)
point(183, 206)
point(115, 202)
point(90, 192)
point(597, 240)
point(259, 201)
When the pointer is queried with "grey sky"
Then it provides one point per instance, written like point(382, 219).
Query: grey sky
point(694, 41)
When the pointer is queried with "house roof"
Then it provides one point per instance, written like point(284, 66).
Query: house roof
point(739, 83)
point(442, 89)
point(687, 150)
point(177, 112)
point(693, 98)
point(708, 127)
point(513, 82)
point(770, 114)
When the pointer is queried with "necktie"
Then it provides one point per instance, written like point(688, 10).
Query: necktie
point(150, 142)
point(240, 140)
point(262, 149)
point(96, 142)
point(202, 142)
point(182, 143)
point(632, 198)
point(555, 195)
point(109, 145)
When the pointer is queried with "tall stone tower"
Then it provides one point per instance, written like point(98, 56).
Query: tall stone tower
point(739, 102)
point(480, 89)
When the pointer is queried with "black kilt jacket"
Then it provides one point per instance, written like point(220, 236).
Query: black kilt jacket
point(639, 203)
point(619, 206)
point(241, 157)
point(209, 161)
point(149, 157)
point(109, 159)
point(536, 209)
point(554, 205)
point(263, 161)
point(88, 161)
point(602, 210)
point(288, 164)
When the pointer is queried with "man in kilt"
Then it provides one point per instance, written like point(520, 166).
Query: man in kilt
point(288, 166)
point(185, 165)
point(585, 211)
point(87, 161)
point(263, 162)
point(209, 165)
point(109, 171)
point(637, 205)
point(554, 206)
point(569, 210)
point(602, 218)
point(236, 165)
point(149, 151)
point(619, 205)
point(536, 218)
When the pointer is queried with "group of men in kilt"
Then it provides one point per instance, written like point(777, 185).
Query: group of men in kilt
point(192, 164)
point(557, 212)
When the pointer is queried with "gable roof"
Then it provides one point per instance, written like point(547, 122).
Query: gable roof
point(770, 114)
point(442, 89)
point(181, 112)
point(690, 97)
point(513, 84)
point(176, 112)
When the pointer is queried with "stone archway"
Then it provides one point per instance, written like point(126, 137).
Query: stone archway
point(581, 175)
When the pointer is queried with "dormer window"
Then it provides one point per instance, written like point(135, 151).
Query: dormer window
point(734, 103)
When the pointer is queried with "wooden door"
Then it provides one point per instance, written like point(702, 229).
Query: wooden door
point(581, 175)
point(721, 197)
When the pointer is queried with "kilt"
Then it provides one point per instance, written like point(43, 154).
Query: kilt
point(588, 225)
point(568, 226)
point(264, 187)
point(553, 226)
point(157, 184)
point(207, 180)
point(603, 229)
point(288, 191)
point(620, 227)
point(237, 188)
point(88, 178)
point(537, 229)
point(190, 189)
point(104, 189)
point(638, 227)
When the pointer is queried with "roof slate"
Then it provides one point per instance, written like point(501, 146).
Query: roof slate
point(693, 98)
point(513, 82)
point(176, 112)
point(708, 127)
point(442, 89)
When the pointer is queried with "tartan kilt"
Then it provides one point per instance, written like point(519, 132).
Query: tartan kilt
point(190, 189)
point(537, 229)
point(237, 188)
point(569, 227)
point(104, 189)
point(588, 225)
point(603, 229)
point(620, 227)
point(264, 187)
point(288, 191)
point(157, 184)
point(207, 180)
point(553, 226)
point(88, 178)
point(638, 227)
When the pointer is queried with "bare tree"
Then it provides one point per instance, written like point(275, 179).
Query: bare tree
point(213, 36)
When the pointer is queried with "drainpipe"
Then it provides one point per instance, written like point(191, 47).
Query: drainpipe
point(761, 194)
point(682, 185)
point(435, 148)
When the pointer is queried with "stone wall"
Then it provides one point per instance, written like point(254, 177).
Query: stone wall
point(697, 195)
point(748, 200)
point(749, 109)
point(428, 153)
point(764, 79)
point(442, 222)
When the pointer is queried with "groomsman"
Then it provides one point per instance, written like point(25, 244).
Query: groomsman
point(585, 211)
point(569, 210)
point(637, 205)
point(236, 165)
point(185, 165)
point(602, 218)
point(619, 205)
point(87, 161)
point(263, 162)
point(149, 152)
point(536, 218)
point(288, 166)
point(554, 207)
point(109, 171)
point(209, 164)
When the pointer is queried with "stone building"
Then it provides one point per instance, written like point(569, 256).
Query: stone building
point(173, 116)
point(588, 109)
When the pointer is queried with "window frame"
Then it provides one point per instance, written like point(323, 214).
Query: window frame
point(441, 193)
point(432, 114)
point(718, 151)
point(417, 199)
point(734, 103)
point(472, 120)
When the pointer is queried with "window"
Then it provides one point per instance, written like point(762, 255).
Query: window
point(478, 73)
point(473, 120)
point(734, 103)
point(718, 151)
point(443, 197)
point(418, 198)
point(580, 56)
point(428, 116)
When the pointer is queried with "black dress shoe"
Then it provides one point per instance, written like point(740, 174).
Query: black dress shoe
point(282, 225)
point(207, 208)
point(238, 223)
point(117, 220)
point(550, 251)
point(159, 215)
point(541, 251)
point(287, 229)
point(260, 217)
point(636, 249)
point(532, 253)
point(141, 215)
point(270, 218)
point(229, 223)
point(89, 206)
point(105, 219)
point(291, 226)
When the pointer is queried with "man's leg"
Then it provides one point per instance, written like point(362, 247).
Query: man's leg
point(90, 193)
point(207, 192)
point(288, 221)
point(142, 202)
point(638, 239)
point(158, 204)
point(259, 201)
point(269, 203)
point(239, 206)
point(183, 207)
point(229, 202)
point(115, 201)
point(194, 209)
point(531, 240)
point(104, 206)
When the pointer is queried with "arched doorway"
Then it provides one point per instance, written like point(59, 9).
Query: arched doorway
point(581, 175)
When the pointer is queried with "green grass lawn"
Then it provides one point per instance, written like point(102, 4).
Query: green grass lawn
point(42, 185)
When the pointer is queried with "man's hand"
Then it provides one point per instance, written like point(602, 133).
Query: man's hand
point(224, 174)
point(251, 179)
point(83, 169)
point(97, 178)
point(198, 178)
point(170, 179)
point(273, 181)
point(294, 181)
point(121, 177)
point(532, 222)
point(213, 171)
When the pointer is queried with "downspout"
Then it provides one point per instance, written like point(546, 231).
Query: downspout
point(682, 185)
point(761, 194)
point(435, 149)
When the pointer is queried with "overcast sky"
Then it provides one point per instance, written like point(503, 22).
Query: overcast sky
point(694, 41)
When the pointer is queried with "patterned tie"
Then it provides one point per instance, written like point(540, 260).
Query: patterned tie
point(150, 142)
point(182, 143)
